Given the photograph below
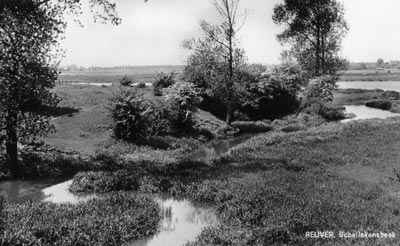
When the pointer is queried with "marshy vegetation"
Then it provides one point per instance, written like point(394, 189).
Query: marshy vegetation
point(299, 170)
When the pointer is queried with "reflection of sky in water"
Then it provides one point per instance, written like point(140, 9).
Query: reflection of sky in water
point(182, 222)
point(218, 147)
point(364, 112)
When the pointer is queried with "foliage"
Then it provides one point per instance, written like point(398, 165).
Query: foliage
point(217, 59)
point(2, 215)
point(319, 90)
point(314, 29)
point(275, 94)
point(104, 181)
point(141, 85)
point(30, 31)
point(163, 80)
point(113, 220)
point(126, 81)
point(183, 99)
point(130, 112)
point(391, 95)
point(251, 126)
point(380, 104)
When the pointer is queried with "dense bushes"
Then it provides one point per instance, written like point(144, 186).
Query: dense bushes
point(274, 94)
point(163, 80)
point(379, 104)
point(327, 111)
point(126, 81)
point(319, 90)
point(114, 220)
point(131, 114)
point(252, 126)
point(137, 120)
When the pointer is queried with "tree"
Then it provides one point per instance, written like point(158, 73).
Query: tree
point(29, 34)
point(380, 62)
point(217, 61)
point(314, 29)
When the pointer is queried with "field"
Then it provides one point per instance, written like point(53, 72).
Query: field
point(144, 74)
point(371, 75)
point(269, 190)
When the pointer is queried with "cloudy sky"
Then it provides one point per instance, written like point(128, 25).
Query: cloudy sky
point(151, 33)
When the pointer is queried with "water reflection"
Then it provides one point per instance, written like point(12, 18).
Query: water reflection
point(182, 221)
point(364, 112)
point(19, 191)
point(218, 147)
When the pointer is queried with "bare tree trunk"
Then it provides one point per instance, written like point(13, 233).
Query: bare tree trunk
point(229, 114)
point(12, 146)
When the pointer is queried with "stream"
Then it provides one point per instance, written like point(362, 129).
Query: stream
point(182, 220)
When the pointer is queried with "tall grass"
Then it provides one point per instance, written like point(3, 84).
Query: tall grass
point(114, 220)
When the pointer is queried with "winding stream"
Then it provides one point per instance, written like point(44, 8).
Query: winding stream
point(182, 220)
point(364, 112)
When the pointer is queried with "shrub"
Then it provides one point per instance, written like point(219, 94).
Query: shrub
point(163, 80)
point(252, 126)
point(326, 111)
point(113, 220)
point(141, 85)
point(274, 95)
point(126, 81)
point(130, 113)
point(319, 90)
point(104, 181)
point(380, 104)
point(183, 99)
point(391, 95)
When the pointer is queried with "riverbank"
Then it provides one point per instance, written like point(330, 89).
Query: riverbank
point(275, 187)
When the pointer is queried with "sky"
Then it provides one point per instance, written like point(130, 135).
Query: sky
point(152, 33)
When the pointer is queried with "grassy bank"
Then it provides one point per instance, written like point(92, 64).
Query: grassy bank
point(114, 220)
point(277, 186)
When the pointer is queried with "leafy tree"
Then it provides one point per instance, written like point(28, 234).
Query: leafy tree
point(380, 62)
point(217, 59)
point(314, 29)
point(29, 34)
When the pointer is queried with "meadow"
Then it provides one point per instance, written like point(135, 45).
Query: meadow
point(305, 174)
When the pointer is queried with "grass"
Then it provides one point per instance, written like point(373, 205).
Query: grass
point(371, 75)
point(275, 187)
point(114, 220)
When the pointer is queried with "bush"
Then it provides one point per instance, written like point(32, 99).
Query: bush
point(126, 81)
point(183, 99)
point(163, 80)
point(113, 220)
point(391, 95)
point(381, 104)
point(141, 85)
point(319, 90)
point(251, 126)
point(326, 111)
point(275, 95)
point(130, 113)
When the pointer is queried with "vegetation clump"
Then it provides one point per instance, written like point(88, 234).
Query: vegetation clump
point(379, 104)
point(163, 80)
point(126, 81)
point(114, 220)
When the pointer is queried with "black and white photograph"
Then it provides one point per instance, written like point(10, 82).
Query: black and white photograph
point(199, 122)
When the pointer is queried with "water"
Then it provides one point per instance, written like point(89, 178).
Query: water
point(218, 147)
point(364, 112)
point(94, 84)
point(371, 85)
point(182, 219)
